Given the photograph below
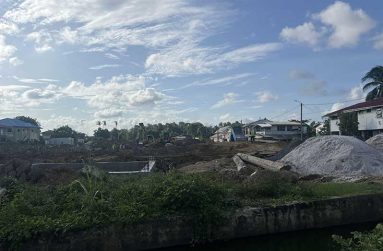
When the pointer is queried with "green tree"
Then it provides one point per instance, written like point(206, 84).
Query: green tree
point(348, 124)
point(325, 130)
point(375, 78)
point(65, 132)
point(101, 133)
point(28, 120)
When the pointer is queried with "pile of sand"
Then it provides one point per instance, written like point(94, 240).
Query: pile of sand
point(376, 141)
point(337, 156)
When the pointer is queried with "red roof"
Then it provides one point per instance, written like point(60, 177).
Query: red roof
point(360, 106)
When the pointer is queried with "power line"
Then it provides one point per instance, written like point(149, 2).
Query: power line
point(289, 110)
point(342, 101)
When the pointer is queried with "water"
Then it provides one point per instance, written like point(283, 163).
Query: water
point(307, 240)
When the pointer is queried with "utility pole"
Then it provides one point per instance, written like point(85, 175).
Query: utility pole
point(301, 122)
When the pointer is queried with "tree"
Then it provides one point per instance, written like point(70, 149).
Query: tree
point(375, 78)
point(348, 124)
point(28, 120)
point(102, 133)
point(325, 130)
point(64, 132)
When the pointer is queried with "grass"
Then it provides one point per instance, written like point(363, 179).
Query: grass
point(29, 210)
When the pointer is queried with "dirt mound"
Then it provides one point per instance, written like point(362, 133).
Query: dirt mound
point(376, 141)
point(338, 156)
point(210, 166)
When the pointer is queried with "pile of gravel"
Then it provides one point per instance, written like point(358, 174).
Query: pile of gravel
point(336, 156)
point(376, 141)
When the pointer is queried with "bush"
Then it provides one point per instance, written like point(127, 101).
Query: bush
point(371, 241)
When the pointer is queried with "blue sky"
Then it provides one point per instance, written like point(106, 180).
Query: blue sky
point(79, 62)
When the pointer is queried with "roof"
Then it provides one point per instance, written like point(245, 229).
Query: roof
point(16, 123)
point(285, 123)
point(359, 106)
point(268, 123)
point(224, 129)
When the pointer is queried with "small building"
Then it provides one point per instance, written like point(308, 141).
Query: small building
point(60, 141)
point(282, 130)
point(224, 134)
point(370, 118)
point(18, 130)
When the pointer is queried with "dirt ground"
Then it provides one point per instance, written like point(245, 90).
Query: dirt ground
point(175, 155)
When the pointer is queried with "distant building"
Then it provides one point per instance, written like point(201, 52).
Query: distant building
point(370, 117)
point(274, 129)
point(224, 134)
point(60, 141)
point(18, 130)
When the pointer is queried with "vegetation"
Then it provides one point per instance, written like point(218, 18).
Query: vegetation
point(97, 200)
point(371, 241)
point(28, 120)
point(101, 133)
point(66, 132)
point(325, 130)
point(375, 78)
point(348, 124)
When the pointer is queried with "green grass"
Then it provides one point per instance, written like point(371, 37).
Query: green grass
point(28, 210)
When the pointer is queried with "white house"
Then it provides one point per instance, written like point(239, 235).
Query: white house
point(60, 141)
point(370, 119)
point(274, 129)
point(18, 130)
point(223, 134)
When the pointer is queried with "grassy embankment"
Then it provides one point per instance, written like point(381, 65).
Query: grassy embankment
point(28, 210)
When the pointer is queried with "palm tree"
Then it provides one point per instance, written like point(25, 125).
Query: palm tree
point(375, 78)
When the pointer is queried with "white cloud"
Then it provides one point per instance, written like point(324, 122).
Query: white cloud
point(15, 61)
point(220, 81)
point(108, 113)
point(265, 96)
point(356, 93)
point(225, 117)
point(100, 67)
point(6, 51)
point(43, 40)
point(229, 98)
point(347, 24)
point(304, 33)
point(339, 26)
point(378, 42)
point(7, 27)
point(314, 88)
point(188, 58)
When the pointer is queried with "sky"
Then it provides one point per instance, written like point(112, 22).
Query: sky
point(76, 62)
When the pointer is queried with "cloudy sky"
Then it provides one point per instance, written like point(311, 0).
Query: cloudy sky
point(76, 62)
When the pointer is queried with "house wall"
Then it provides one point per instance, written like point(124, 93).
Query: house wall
point(370, 119)
point(20, 134)
point(334, 125)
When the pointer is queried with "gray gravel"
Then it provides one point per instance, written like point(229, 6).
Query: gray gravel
point(341, 157)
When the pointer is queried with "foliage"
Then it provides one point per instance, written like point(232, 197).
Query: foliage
point(28, 120)
point(348, 124)
point(325, 130)
point(371, 241)
point(375, 78)
point(97, 200)
point(66, 132)
point(101, 133)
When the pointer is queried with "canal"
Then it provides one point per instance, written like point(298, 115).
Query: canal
point(307, 240)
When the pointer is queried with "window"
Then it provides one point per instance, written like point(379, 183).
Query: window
point(281, 128)
point(18, 130)
point(9, 130)
point(289, 128)
point(368, 110)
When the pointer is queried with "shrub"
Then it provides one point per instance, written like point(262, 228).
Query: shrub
point(371, 241)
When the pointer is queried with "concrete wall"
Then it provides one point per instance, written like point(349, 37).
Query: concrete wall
point(244, 223)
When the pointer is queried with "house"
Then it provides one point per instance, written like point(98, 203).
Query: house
point(274, 129)
point(18, 130)
point(224, 134)
point(370, 119)
point(60, 141)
